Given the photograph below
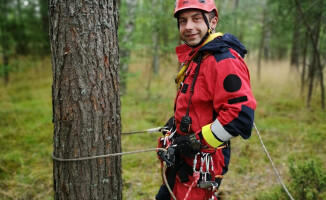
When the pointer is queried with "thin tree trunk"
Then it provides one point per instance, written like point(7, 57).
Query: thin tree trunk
point(155, 61)
point(313, 32)
point(317, 54)
point(125, 50)
point(157, 4)
point(304, 63)
point(311, 77)
point(235, 15)
point(4, 40)
point(22, 39)
point(45, 26)
point(262, 40)
point(296, 40)
point(86, 102)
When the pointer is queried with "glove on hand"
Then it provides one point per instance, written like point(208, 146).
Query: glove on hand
point(169, 126)
point(187, 145)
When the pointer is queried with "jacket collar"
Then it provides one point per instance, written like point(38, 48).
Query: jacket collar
point(185, 52)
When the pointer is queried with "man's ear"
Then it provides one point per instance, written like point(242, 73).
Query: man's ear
point(213, 22)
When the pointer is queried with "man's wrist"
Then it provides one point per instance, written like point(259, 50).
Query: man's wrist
point(209, 136)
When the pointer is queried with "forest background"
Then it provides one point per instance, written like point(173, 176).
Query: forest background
point(286, 43)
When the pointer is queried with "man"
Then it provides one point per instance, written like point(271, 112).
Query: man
point(214, 103)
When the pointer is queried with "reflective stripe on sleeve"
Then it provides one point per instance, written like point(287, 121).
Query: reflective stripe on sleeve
point(220, 132)
point(209, 136)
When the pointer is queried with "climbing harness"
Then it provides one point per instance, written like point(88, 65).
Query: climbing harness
point(205, 159)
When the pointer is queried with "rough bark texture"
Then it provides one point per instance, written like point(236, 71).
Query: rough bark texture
point(86, 103)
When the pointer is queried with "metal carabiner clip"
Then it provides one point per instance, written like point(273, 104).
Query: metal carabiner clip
point(195, 163)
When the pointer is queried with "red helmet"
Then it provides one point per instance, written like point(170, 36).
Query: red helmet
point(205, 5)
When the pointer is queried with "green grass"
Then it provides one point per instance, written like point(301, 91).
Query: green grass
point(25, 134)
point(292, 133)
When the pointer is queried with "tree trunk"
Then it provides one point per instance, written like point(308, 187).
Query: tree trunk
point(317, 53)
point(126, 43)
point(304, 63)
point(86, 102)
point(157, 7)
point(313, 30)
point(45, 26)
point(4, 40)
point(235, 15)
point(295, 51)
point(262, 41)
point(155, 61)
point(22, 41)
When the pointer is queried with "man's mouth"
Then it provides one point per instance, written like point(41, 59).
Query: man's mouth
point(191, 36)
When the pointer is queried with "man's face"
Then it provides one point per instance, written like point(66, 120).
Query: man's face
point(192, 26)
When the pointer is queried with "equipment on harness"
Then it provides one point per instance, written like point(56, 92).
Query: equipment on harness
point(187, 145)
point(185, 124)
point(167, 156)
point(169, 127)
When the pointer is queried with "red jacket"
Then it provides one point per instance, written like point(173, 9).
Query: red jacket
point(222, 92)
point(222, 98)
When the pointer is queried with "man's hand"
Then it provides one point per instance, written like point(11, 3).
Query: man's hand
point(187, 145)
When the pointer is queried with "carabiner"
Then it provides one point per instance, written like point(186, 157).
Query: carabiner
point(195, 163)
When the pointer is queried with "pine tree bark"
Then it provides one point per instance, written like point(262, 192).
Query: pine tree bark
point(86, 102)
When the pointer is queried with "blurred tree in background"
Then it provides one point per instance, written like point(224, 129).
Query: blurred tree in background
point(271, 30)
point(24, 32)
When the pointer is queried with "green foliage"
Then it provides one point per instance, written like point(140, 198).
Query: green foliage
point(25, 27)
point(308, 182)
point(155, 19)
point(25, 133)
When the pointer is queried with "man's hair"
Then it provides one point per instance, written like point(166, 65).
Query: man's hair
point(211, 15)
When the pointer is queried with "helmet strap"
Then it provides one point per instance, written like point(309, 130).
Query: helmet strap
point(206, 20)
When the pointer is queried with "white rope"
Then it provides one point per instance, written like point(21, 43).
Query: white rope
point(104, 156)
point(271, 161)
point(166, 181)
point(164, 168)
point(151, 130)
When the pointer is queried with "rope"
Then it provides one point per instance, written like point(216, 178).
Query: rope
point(271, 161)
point(104, 156)
point(165, 167)
point(166, 181)
point(196, 176)
point(151, 130)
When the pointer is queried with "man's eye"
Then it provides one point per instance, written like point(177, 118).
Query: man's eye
point(182, 21)
point(196, 19)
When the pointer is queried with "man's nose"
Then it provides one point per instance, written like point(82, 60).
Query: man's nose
point(189, 25)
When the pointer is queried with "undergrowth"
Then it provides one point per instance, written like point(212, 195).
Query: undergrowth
point(292, 134)
point(308, 182)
